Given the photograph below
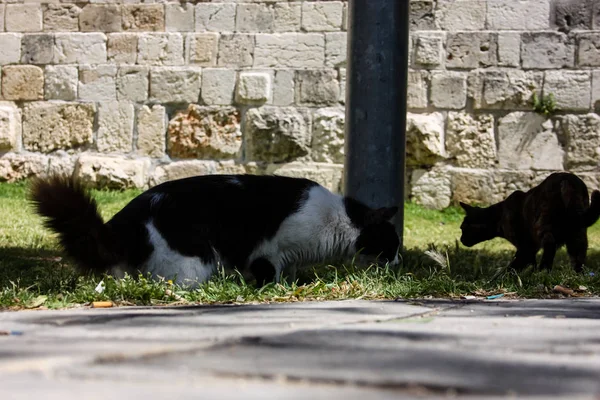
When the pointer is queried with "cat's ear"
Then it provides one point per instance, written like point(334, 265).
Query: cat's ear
point(466, 207)
point(381, 215)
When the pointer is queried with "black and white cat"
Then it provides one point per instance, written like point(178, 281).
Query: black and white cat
point(184, 229)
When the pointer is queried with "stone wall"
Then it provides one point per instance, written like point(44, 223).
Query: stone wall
point(133, 93)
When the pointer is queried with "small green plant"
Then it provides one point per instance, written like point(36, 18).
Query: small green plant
point(545, 105)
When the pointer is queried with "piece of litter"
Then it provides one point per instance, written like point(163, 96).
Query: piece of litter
point(100, 288)
point(583, 288)
point(169, 292)
point(102, 304)
point(592, 274)
point(496, 296)
point(563, 290)
point(36, 302)
point(11, 333)
point(468, 297)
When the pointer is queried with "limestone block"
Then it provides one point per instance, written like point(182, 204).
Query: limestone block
point(215, 17)
point(202, 48)
point(470, 140)
point(461, 15)
point(179, 17)
point(236, 50)
point(10, 126)
point(471, 50)
point(527, 141)
point(289, 50)
point(111, 172)
point(588, 52)
point(151, 127)
point(327, 175)
point(60, 82)
point(509, 49)
point(97, 83)
point(100, 18)
point(10, 48)
point(61, 17)
point(115, 127)
point(342, 78)
point(175, 84)
point(253, 88)
point(254, 18)
point(22, 82)
point(205, 133)
point(596, 90)
point(431, 189)
point(79, 48)
point(37, 48)
point(336, 44)
point(317, 87)
point(449, 89)
point(322, 16)
point(144, 17)
point(132, 83)
point(283, 90)
point(122, 48)
point(61, 163)
point(417, 89)
point(49, 126)
point(505, 89)
point(505, 182)
point(23, 17)
point(571, 89)
point(160, 49)
point(182, 169)
point(345, 18)
point(276, 134)
point(424, 138)
point(422, 15)
point(287, 17)
point(520, 15)
point(545, 50)
point(596, 16)
point(218, 85)
point(328, 135)
point(18, 166)
point(429, 49)
point(581, 136)
point(567, 15)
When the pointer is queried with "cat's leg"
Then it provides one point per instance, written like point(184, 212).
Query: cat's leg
point(549, 247)
point(577, 246)
point(264, 271)
point(523, 258)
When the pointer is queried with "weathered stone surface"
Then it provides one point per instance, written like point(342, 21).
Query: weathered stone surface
point(160, 49)
point(342, 79)
point(424, 138)
point(284, 88)
point(596, 90)
point(179, 17)
point(470, 140)
point(288, 50)
point(449, 89)
point(97, 83)
point(471, 50)
point(504, 89)
point(253, 88)
point(485, 187)
point(175, 84)
point(143, 17)
point(431, 189)
point(132, 83)
point(527, 141)
point(428, 49)
point(10, 48)
point(422, 15)
point(202, 48)
point(276, 134)
point(218, 85)
point(322, 16)
point(417, 89)
point(53, 126)
point(581, 136)
point(205, 133)
point(23, 17)
point(100, 18)
point(22, 82)
point(588, 51)
point(328, 135)
point(61, 163)
point(567, 15)
point(61, 17)
point(10, 126)
point(182, 169)
point(115, 127)
point(215, 17)
point(461, 15)
point(15, 166)
point(544, 50)
point(509, 49)
point(111, 172)
point(122, 48)
point(571, 89)
point(287, 17)
point(80, 48)
point(60, 82)
point(319, 87)
point(336, 44)
point(254, 18)
point(151, 127)
point(37, 49)
point(236, 50)
point(327, 175)
point(518, 15)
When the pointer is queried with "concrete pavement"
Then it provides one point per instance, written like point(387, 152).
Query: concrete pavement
point(347, 349)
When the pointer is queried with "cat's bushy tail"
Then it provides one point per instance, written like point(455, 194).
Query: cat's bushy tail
point(592, 214)
point(70, 211)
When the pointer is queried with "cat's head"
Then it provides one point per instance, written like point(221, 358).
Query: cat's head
point(477, 226)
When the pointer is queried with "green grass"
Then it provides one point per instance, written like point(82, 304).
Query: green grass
point(33, 273)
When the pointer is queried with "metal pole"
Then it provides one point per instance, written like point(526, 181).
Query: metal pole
point(378, 32)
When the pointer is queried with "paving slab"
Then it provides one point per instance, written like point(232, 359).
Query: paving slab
point(344, 349)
